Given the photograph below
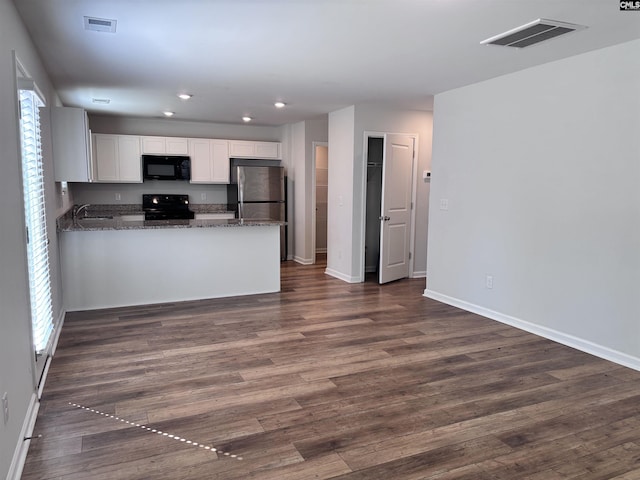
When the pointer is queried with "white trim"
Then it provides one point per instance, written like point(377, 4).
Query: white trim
point(419, 274)
point(549, 333)
point(43, 378)
point(57, 330)
point(313, 201)
point(414, 204)
point(22, 447)
point(304, 261)
point(321, 250)
point(342, 276)
point(20, 453)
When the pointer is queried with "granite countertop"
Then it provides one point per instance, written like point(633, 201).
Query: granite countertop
point(127, 217)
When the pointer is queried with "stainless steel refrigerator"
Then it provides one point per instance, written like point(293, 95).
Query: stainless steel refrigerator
point(258, 193)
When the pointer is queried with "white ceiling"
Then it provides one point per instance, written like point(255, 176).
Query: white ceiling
point(239, 56)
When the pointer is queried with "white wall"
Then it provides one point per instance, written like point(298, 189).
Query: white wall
point(16, 351)
point(300, 137)
point(347, 171)
point(340, 212)
point(287, 163)
point(541, 172)
point(105, 193)
point(298, 160)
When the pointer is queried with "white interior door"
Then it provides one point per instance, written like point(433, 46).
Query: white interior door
point(395, 217)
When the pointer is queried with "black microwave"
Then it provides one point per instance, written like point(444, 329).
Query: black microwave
point(166, 167)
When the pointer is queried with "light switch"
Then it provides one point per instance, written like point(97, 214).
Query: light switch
point(426, 175)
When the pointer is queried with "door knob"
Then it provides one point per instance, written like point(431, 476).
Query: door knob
point(385, 218)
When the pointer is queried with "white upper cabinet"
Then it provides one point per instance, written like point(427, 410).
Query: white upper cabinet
point(209, 160)
point(177, 146)
point(117, 158)
point(248, 149)
point(71, 142)
point(165, 145)
point(267, 150)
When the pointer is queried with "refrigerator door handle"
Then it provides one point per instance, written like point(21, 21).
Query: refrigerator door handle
point(240, 193)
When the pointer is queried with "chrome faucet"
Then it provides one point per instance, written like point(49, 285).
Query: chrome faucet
point(79, 208)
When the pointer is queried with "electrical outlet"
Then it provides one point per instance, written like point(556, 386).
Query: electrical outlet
point(118, 197)
point(203, 196)
point(444, 204)
point(489, 281)
point(5, 407)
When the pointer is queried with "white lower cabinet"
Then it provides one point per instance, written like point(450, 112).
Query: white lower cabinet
point(117, 158)
point(209, 160)
point(116, 268)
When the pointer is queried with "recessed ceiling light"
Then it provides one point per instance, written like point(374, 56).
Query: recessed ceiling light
point(101, 101)
point(184, 96)
point(279, 104)
point(246, 119)
point(168, 114)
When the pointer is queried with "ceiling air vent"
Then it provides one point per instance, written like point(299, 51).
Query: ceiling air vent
point(532, 33)
point(100, 24)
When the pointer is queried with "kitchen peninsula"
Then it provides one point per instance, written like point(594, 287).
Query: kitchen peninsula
point(121, 260)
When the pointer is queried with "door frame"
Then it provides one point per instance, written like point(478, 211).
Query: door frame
point(313, 196)
point(363, 200)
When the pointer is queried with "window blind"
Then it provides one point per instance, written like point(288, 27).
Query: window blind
point(36, 220)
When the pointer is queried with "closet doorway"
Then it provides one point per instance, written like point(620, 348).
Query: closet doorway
point(375, 157)
point(320, 182)
point(389, 199)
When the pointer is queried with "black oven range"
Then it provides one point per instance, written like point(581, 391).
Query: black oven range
point(166, 207)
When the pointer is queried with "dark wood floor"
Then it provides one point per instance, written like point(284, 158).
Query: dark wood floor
point(328, 380)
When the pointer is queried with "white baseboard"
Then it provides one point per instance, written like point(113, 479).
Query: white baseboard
point(419, 274)
point(303, 261)
point(549, 333)
point(56, 333)
point(321, 250)
point(29, 422)
point(22, 447)
point(342, 276)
